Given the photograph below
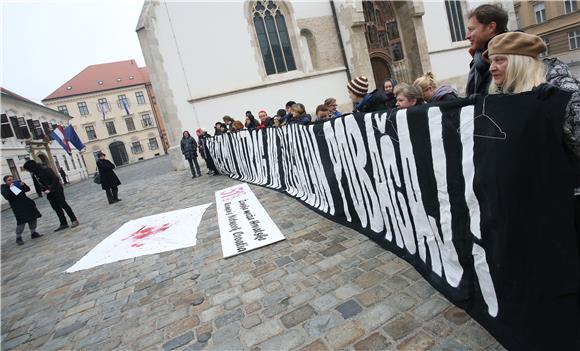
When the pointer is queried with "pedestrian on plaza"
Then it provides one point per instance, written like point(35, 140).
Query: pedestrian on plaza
point(63, 175)
point(299, 114)
point(388, 87)
point(485, 22)
point(23, 207)
point(109, 180)
point(432, 92)
point(189, 151)
point(322, 113)
point(265, 120)
point(204, 151)
point(332, 105)
point(46, 182)
point(363, 100)
point(408, 95)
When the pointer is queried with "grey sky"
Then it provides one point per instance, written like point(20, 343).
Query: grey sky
point(45, 43)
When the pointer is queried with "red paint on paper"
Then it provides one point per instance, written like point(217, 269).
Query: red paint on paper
point(145, 232)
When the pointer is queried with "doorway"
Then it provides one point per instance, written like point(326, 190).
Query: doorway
point(119, 153)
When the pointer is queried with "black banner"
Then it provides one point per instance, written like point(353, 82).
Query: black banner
point(477, 197)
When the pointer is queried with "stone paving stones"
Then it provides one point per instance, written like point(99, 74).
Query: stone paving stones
point(327, 287)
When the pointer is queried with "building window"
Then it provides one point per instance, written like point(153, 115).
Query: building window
point(103, 106)
point(130, 124)
point(47, 129)
point(455, 18)
point(123, 103)
point(65, 162)
point(24, 132)
point(63, 109)
point(79, 161)
point(13, 168)
point(153, 144)
point(111, 128)
point(83, 109)
point(136, 147)
point(140, 98)
point(518, 22)
point(547, 52)
point(146, 120)
point(540, 11)
point(96, 154)
point(56, 163)
point(72, 160)
point(570, 5)
point(273, 37)
point(36, 129)
point(6, 129)
point(397, 51)
point(574, 39)
point(91, 132)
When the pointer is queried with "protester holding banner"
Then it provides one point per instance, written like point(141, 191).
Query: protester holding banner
point(279, 118)
point(189, 151)
point(485, 22)
point(322, 113)
point(265, 120)
point(363, 101)
point(408, 95)
point(24, 208)
point(204, 152)
point(299, 114)
point(388, 87)
point(433, 93)
point(109, 180)
point(332, 105)
point(228, 122)
point(250, 122)
point(46, 182)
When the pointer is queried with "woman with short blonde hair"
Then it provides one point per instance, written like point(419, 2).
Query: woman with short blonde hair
point(432, 93)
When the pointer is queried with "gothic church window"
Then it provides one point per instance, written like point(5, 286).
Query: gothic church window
point(273, 37)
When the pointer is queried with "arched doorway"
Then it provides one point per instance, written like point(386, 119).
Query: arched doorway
point(381, 69)
point(119, 153)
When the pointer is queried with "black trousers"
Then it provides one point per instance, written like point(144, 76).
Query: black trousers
point(192, 163)
point(59, 205)
point(112, 194)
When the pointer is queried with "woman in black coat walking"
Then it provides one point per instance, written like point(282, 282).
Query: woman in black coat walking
point(24, 208)
point(109, 180)
point(189, 151)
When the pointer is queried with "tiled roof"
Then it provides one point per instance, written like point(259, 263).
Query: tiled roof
point(102, 77)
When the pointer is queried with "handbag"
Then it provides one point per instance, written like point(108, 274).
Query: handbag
point(97, 178)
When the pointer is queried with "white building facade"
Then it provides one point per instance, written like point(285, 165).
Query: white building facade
point(207, 60)
point(23, 120)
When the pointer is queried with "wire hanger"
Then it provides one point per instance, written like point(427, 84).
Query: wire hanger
point(503, 135)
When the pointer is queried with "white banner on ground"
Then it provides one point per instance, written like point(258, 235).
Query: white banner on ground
point(145, 236)
point(244, 223)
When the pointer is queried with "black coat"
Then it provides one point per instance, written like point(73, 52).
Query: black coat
point(374, 101)
point(45, 179)
point(189, 148)
point(108, 177)
point(24, 208)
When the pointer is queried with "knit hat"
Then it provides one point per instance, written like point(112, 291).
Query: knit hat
point(359, 85)
point(515, 43)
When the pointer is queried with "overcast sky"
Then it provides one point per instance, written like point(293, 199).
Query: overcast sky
point(45, 43)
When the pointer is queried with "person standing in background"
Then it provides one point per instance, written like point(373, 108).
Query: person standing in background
point(189, 151)
point(23, 207)
point(109, 180)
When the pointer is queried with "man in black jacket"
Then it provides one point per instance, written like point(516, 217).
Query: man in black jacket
point(485, 22)
point(46, 182)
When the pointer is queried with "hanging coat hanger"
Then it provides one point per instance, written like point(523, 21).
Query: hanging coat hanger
point(501, 134)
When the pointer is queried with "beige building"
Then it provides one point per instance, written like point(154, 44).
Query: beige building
point(115, 112)
point(558, 23)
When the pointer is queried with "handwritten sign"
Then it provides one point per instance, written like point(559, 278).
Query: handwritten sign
point(244, 223)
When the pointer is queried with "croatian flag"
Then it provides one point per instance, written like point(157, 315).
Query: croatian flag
point(59, 135)
point(126, 106)
point(104, 109)
point(72, 137)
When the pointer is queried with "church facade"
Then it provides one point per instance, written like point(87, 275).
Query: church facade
point(207, 60)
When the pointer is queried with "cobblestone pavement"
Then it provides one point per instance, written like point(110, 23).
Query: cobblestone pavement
point(325, 287)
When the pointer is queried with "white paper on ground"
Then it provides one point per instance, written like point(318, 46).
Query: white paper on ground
point(145, 236)
point(244, 223)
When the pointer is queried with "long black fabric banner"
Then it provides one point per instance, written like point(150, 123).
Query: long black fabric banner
point(476, 196)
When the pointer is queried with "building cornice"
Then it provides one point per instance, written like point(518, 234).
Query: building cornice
point(38, 106)
point(93, 94)
point(266, 84)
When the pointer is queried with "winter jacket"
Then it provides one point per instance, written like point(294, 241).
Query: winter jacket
point(444, 93)
point(45, 179)
point(558, 74)
point(189, 148)
point(267, 123)
point(23, 207)
point(373, 101)
point(109, 179)
point(304, 119)
point(479, 76)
